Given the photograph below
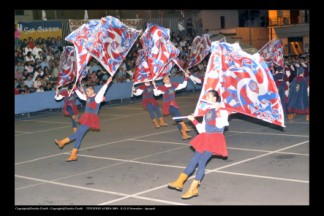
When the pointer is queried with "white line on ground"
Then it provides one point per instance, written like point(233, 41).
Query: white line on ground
point(49, 122)
point(22, 132)
point(101, 114)
point(259, 156)
point(43, 130)
point(120, 107)
point(157, 141)
point(109, 143)
point(261, 176)
point(209, 171)
point(69, 126)
point(242, 149)
point(273, 134)
point(98, 190)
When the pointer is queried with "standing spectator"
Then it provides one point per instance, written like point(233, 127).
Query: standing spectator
point(181, 27)
point(88, 120)
point(17, 41)
point(189, 27)
point(150, 103)
point(209, 142)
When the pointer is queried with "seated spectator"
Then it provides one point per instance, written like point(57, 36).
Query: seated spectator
point(18, 75)
point(29, 57)
point(40, 89)
point(29, 82)
point(37, 82)
point(27, 49)
point(48, 87)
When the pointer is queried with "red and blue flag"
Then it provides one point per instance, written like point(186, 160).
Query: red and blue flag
point(244, 82)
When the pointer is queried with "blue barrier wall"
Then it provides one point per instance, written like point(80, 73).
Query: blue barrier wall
point(38, 101)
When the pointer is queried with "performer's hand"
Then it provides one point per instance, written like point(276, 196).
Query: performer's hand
point(109, 80)
point(81, 89)
point(191, 117)
point(153, 82)
point(74, 87)
point(187, 71)
point(186, 75)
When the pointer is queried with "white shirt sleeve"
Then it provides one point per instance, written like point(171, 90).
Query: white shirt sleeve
point(81, 95)
point(100, 96)
point(195, 79)
point(222, 121)
point(138, 92)
point(182, 85)
point(58, 97)
point(200, 128)
point(157, 92)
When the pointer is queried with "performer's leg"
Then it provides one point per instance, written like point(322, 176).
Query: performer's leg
point(193, 189)
point(191, 166)
point(203, 159)
point(158, 113)
point(150, 109)
point(69, 109)
point(175, 113)
point(178, 184)
point(78, 135)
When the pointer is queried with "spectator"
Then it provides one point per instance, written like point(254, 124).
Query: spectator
point(189, 27)
point(181, 27)
point(17, 41)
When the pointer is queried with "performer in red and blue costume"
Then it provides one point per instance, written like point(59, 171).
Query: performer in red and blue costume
point(69, 108)
point(88, 120)
point(150, 103)
point(169, 105)
point(210, 141)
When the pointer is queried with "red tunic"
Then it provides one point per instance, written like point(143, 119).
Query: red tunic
point(168, 97)
point(148, 96)
point(90, 115)
point(213, 140)
point(69, 101)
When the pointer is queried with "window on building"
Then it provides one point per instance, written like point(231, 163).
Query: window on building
point(294, 16)
point(222, 22)
point(20, 12)
point(306, 16)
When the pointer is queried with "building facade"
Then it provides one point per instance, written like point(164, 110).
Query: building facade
point(292, 27)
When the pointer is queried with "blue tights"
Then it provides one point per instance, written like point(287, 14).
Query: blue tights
point(200, 159)
point(78, 135)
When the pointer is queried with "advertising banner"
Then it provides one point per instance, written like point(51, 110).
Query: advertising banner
point(41, 29)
